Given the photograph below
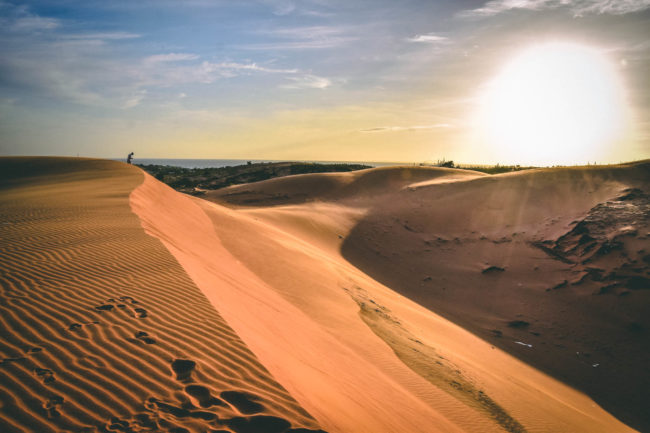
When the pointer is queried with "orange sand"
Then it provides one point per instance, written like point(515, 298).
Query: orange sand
point(259, 297)
point(70, 244)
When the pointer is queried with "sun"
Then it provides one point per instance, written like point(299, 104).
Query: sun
point(555, 103)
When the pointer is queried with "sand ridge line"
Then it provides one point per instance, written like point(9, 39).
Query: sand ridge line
point(426, 361)
point(337, 385)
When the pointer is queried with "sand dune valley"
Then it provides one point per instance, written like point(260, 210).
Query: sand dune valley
point(392, 299)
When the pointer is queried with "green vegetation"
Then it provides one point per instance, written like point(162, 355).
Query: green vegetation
point(489, 169)
point(196, 180)
point(494, 169)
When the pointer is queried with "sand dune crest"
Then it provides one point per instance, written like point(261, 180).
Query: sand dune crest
point(278, 278)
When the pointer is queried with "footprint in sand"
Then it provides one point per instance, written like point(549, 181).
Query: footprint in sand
point(183, 368)
point(155, 405)
point(121, 303)
point(51, 404)
point(304, 430)
point(116, 424)
point(140, 313)
point(259, 423)
point(139, 422)
point(265, 424)
point(45, 374)
point(127, 299)
point(144, 337)
point(244, 402)
point(203, 396)
point(78, 326)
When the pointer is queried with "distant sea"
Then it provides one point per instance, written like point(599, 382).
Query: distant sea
point(216, 163)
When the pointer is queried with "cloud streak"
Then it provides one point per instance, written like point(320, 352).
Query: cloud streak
point(135, 100)
point(109, 36)
point(577, 7)
point(301, 38)
point(307, 81)
point(173, 69)
point(80, 67)
point(19, 19)
point(429, 38)
point(170, 57)
point(405, 128)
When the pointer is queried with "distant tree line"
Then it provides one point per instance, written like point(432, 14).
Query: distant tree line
point(489, 169)
point(196, 180)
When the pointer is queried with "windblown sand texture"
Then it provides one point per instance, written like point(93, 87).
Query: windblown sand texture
point(102, 329)
point(551, 266)
point(310, 302)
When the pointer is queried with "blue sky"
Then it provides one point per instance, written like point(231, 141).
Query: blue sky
point(288, 79)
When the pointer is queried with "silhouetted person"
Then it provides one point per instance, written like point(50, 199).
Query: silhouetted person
point(129, 158)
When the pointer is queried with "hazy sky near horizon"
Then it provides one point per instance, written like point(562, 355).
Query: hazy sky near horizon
point(365, 80)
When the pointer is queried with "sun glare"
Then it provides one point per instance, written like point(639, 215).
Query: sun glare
point(556, 103)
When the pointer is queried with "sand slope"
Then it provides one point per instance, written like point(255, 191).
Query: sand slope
point(556, 258)
point(549, 265)
point(101, 329)
point(130, 307)
point(357, 188)
point(293, 249)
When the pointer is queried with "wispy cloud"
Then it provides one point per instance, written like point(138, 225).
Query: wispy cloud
point(81, 67)
point(167, 70)
point(253, 67)
point(297, 7)
point(294, 45)
point(19, 19)
point(406, 128)
point(34, 23)
point(307, 81)
point(281, 7)
point(108, 36)
point(429, 38)
point(306, 32)
point(614, 7)
point(135, 99)
point(577, 7)
point(300, 38)
point(170, 57)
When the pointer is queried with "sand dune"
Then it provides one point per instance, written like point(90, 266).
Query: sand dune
point(300, 304)
point(486, 255)
point(314, 226)
point(357, 187)
point(102, 329)
point(503, 256)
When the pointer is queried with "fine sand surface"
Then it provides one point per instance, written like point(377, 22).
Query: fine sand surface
point(312, 301)
point(101, 329)
point(550, 265)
